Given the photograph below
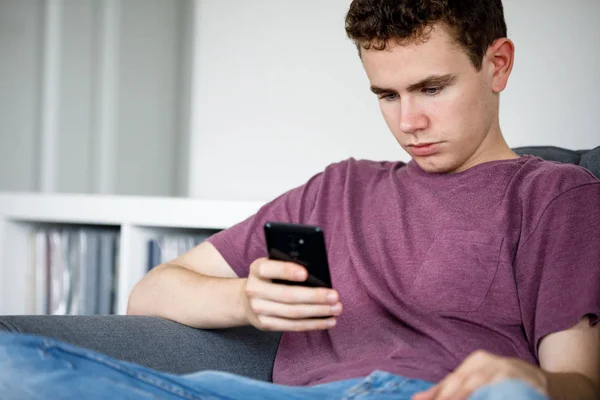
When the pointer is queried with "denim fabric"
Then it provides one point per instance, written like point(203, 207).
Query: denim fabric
point(158, 343)
point(33, 367)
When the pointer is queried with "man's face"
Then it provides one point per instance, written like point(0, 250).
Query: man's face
point(438, 106)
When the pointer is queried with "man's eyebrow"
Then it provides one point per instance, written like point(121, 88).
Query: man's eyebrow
point(433, 81)
point(430, 81)
point(379, 90)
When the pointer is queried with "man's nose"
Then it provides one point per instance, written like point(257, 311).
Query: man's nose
point(412, 119)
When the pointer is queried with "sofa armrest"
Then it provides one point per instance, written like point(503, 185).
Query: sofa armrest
point(159, 343)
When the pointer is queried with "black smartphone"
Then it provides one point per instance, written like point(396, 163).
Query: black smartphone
point(300, 244)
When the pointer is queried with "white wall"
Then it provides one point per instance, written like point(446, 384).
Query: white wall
point(279, 91)
point(553, 95)
point(149, 97)
point(92, 96)
point(74, 97)
point(20, 57)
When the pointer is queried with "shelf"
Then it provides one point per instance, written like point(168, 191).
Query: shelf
point(137, 219)
point(118, 210)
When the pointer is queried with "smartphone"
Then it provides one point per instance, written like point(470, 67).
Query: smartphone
point(300, 244)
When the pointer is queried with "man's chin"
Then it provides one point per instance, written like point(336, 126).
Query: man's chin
point(434, 165)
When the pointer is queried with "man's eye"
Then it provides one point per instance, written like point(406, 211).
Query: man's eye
point(433, 91)
point(389, 96)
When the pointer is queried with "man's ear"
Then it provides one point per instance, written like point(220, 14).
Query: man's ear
point(500, 60)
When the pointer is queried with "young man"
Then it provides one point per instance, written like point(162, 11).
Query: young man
point(469, 271)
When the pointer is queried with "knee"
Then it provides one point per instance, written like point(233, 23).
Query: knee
point(510, 389)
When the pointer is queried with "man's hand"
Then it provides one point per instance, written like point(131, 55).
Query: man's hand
point(277, 307)
point(482, 369)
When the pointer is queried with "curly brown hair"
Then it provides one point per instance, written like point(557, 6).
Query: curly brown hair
point(475, 24)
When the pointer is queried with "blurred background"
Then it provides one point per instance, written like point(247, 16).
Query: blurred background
point(240, 100)
point(131, 130)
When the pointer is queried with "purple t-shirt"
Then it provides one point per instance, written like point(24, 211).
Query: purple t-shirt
point(431, 267)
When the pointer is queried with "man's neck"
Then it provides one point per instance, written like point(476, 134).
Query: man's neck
point(493, 148)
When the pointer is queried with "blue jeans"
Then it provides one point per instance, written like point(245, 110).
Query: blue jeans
point(33, 367)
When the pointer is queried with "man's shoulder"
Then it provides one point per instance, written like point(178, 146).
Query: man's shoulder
point(354, 177)
point(549, 179)
point(541, 183)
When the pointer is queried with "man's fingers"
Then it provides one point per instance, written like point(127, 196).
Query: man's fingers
point(449, 387)
point(291, 294)
point(293, 311)
point(268, 269)
point(269, 323)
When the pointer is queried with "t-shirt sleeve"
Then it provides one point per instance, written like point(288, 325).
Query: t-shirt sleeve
point(558, 266)
point(243, 243)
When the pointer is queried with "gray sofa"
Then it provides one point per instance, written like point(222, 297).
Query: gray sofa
point(171, 347)
point(158, 343)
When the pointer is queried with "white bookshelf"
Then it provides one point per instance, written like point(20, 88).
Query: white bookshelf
point(136, 218)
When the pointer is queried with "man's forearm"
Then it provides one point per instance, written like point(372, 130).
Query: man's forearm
point(179, 294)
point(572, 386)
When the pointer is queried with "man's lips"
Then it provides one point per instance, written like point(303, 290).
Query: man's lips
point(424, 149)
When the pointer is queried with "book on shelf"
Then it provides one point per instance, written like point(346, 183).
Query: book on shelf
point(74, 271)
point(166, 247)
